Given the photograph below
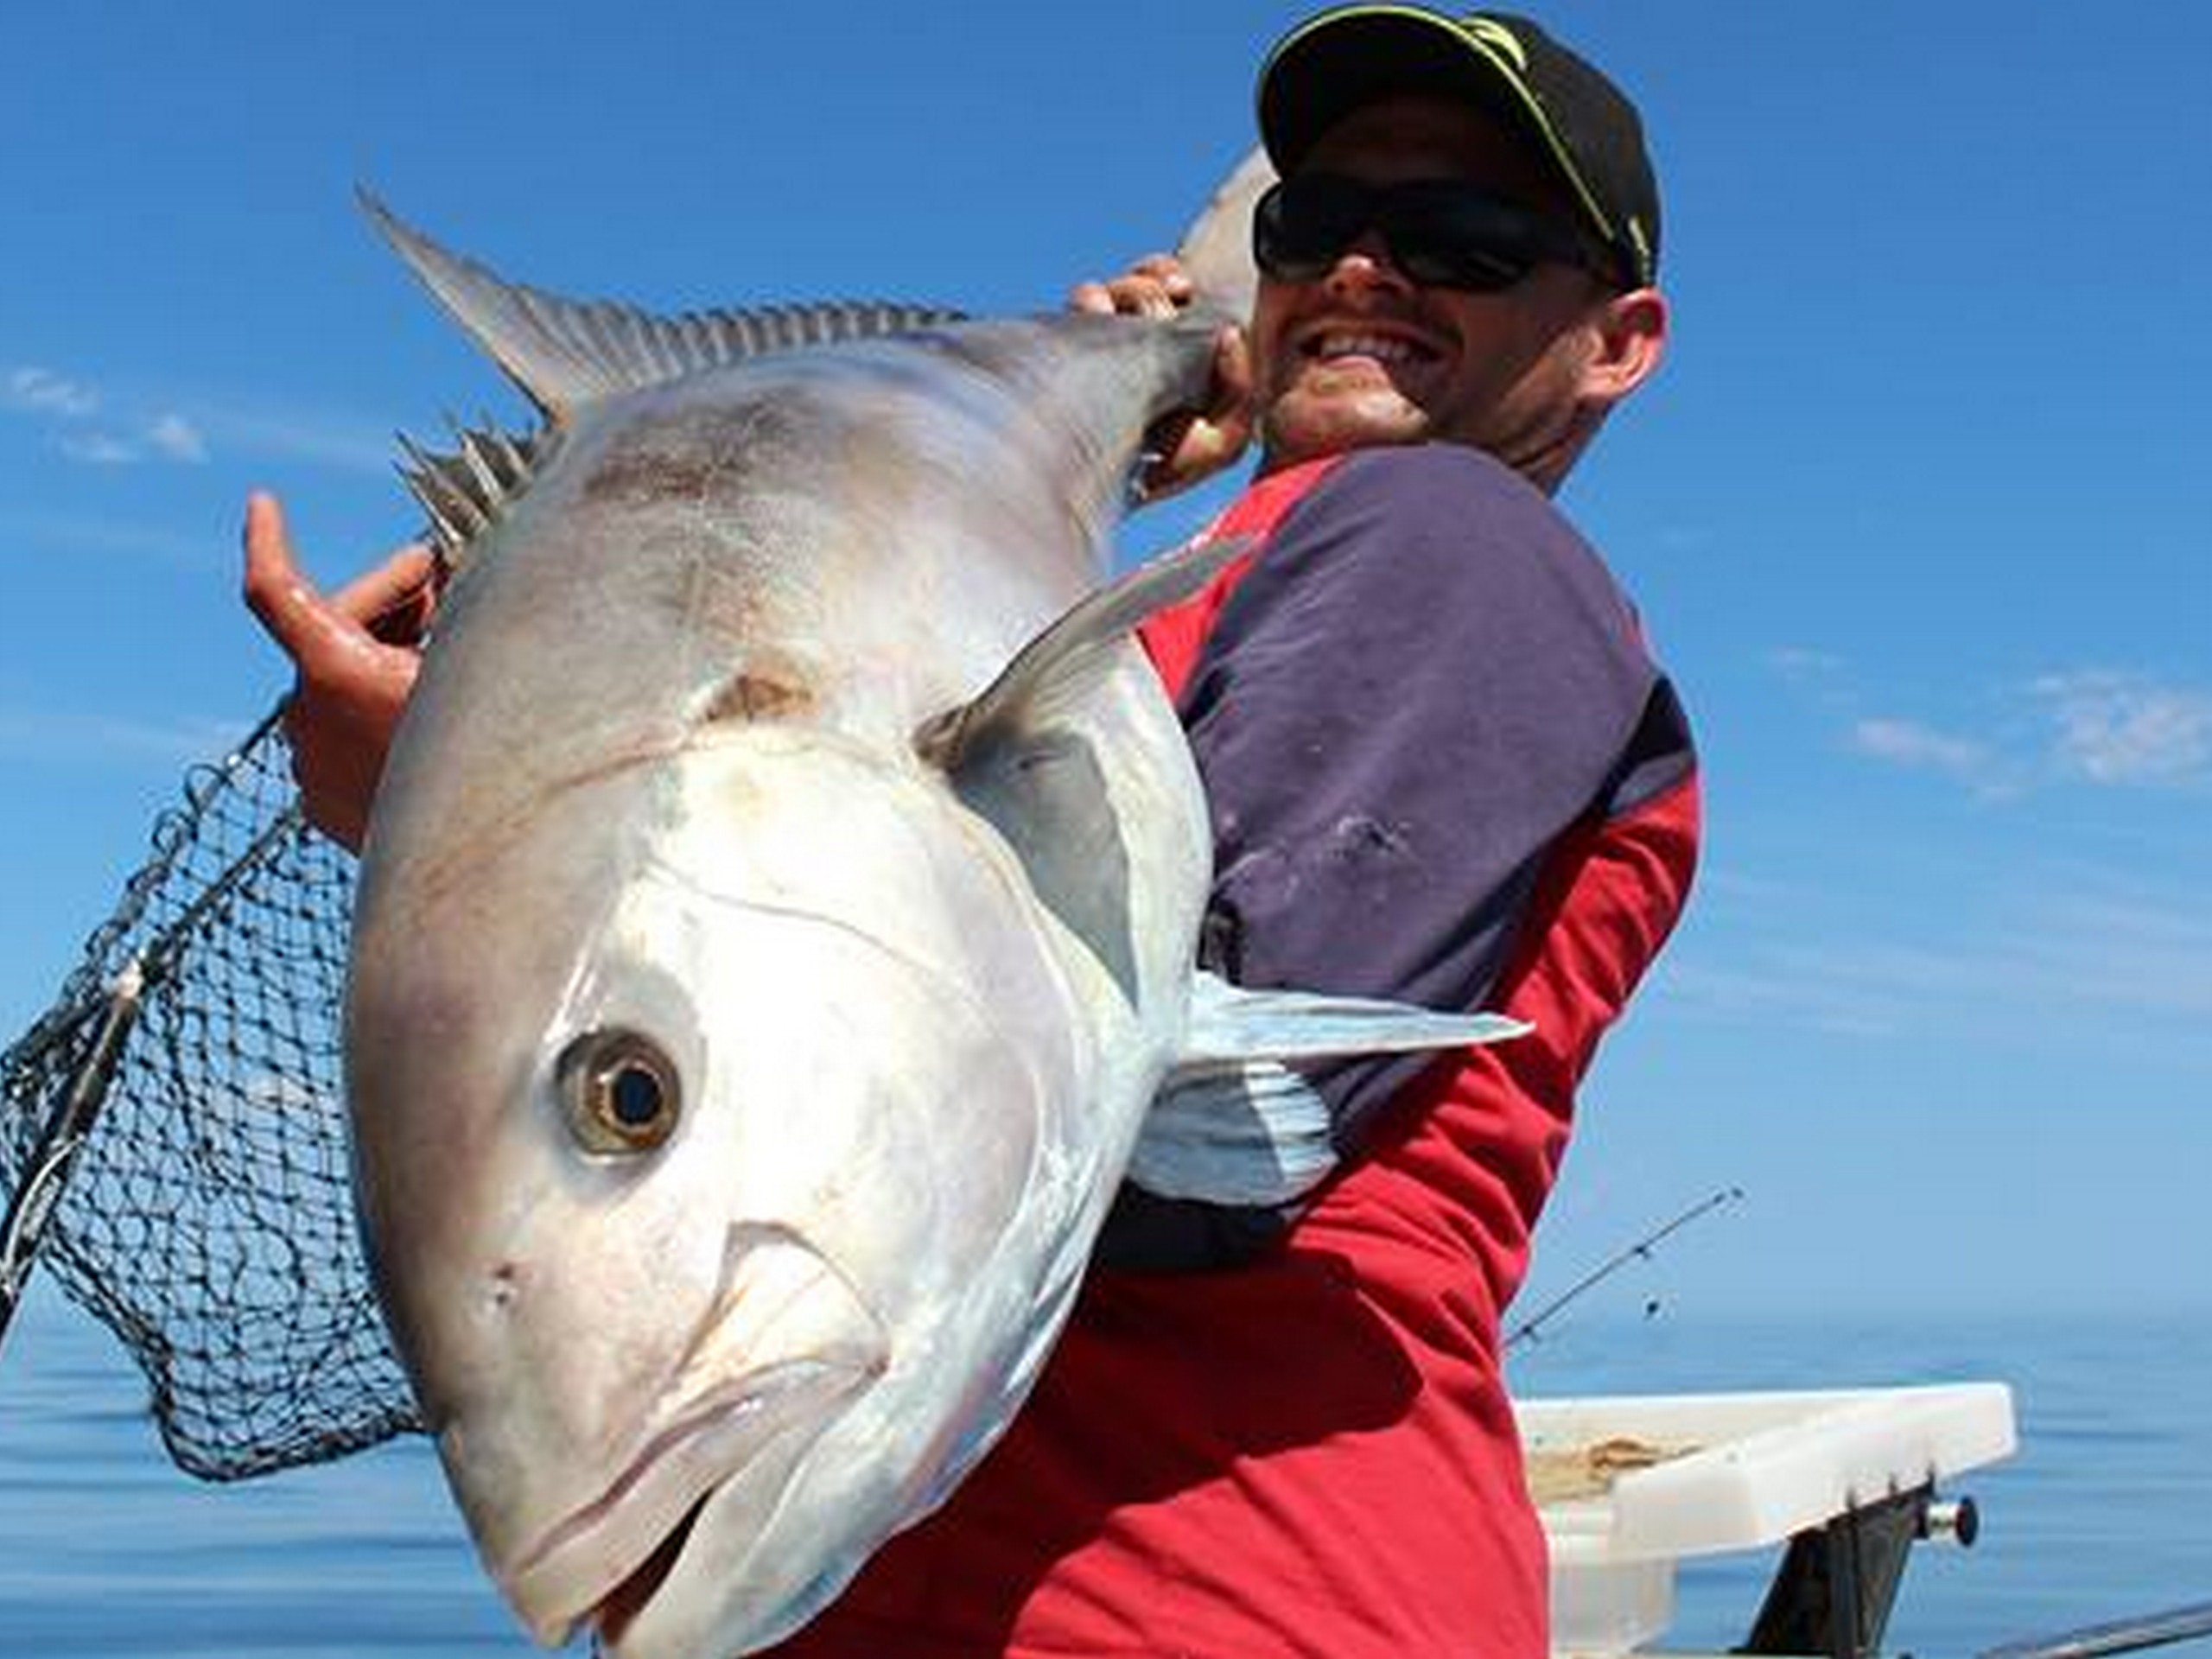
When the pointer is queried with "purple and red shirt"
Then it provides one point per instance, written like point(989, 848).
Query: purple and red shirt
point(1442, 768)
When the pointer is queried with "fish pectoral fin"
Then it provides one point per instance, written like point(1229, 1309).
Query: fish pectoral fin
point(1230, 1023)
point(1055, 671)
point(563, 354)
point(1246, 1133)
point(1233, 1124)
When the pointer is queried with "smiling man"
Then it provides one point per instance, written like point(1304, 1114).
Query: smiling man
point(1442, 768)
point(1376, 326)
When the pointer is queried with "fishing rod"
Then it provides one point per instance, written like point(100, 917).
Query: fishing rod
point(1640, 1250)
point(2122, 1636)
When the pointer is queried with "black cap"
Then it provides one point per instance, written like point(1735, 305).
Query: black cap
point(1580, 124)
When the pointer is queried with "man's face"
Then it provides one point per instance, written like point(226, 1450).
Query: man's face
point(1364, 355)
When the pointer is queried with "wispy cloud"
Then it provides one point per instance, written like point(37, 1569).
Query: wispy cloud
point(177, 439)
point(98, 449)
point(2009, 955)
point(2114, 728)
point(1908, 743)
point(1803, 664)
point(1817, 992)
point(19, 532)
point(50, 735)
point(86, 429)
point(2101, 727)
point(316, 437)
point(42, 392)
point(89, 425)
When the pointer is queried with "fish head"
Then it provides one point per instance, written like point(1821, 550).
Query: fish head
point(705, 1156)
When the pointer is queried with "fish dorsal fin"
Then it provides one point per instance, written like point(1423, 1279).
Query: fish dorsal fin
point(1233, 1124)
point(563, 354)
point(467, 490)
point(1056, 668)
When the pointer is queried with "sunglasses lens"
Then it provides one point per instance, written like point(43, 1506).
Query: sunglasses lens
point(1301, 227)
point(1452, 236)
point(1440, 232)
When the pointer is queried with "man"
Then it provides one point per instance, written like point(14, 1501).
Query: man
point(1441, 768)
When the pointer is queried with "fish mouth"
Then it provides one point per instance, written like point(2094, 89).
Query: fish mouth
point(619, 1608)
point(604, 1561)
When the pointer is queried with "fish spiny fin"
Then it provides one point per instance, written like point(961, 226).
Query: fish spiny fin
point(467, 490)
point(1055, 669)
point(1232, 1124)
point(564, 353)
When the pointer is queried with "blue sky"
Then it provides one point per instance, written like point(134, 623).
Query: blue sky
point(1918, 512)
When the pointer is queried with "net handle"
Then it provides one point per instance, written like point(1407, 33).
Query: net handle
point(46, 1172)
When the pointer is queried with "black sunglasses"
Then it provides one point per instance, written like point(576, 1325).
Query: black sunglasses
point(1441, 232)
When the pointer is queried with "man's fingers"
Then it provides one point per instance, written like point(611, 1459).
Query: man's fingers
point(1195, 443)
point(1155, 286)
point(288, 605)
point(1125, 297)
point(400, 581)
point(352, 685)
point(1232, 377)
point(277, 591)
point(1167, 271)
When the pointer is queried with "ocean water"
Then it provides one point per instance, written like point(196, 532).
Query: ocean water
point(2105, 1512)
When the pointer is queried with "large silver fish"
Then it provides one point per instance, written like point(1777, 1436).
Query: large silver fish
point(776, 925)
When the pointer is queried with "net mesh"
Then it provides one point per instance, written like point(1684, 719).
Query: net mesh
point(207, 1221)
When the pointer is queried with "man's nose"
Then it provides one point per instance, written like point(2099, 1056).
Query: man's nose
point(1365, 266)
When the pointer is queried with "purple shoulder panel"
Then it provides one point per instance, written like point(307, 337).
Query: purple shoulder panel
point(1427, 679)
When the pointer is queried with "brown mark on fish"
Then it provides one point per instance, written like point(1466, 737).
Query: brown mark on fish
point(767, 691)
point(640, 473)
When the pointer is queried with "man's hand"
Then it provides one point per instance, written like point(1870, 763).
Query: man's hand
point(1191, 444)
point(356, 653)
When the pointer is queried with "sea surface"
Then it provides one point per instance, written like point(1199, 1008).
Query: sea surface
point(2105, 1512)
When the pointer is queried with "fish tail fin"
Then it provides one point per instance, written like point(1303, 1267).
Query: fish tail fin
point(1217, 250)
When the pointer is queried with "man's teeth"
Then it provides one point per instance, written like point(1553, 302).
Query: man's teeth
point(1376, 346)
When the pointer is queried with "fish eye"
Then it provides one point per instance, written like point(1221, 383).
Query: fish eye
point(619, 1091)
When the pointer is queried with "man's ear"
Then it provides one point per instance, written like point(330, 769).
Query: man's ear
point(1631, 331)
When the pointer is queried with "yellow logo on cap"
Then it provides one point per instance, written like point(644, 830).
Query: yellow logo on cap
point(1489, 32)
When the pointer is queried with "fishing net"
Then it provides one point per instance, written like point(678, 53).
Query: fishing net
point(207, 1220)
point(207, 1217)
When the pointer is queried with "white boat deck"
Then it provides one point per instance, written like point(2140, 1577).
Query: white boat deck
point(1628, 1487)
